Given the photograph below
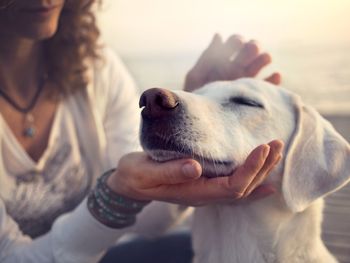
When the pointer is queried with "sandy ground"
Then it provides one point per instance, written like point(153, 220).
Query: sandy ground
point(336, 224)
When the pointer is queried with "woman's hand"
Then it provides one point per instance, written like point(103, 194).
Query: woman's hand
point(179, 181)
point(228, 60)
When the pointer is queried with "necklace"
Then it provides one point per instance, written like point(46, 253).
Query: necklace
point(28, 120)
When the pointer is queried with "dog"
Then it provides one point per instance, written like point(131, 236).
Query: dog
point(219, 125)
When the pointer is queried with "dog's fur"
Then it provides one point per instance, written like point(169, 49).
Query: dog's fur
point(219, 125)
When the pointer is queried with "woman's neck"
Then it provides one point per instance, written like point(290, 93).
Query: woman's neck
point(20, 65)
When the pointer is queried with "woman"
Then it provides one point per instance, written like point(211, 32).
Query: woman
point(69, 113)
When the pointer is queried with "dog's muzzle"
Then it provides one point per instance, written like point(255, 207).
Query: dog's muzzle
point(167, 132)
point(162, 117)
point(166, 125)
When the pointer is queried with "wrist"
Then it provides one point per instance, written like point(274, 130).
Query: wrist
point(110, 208)
point(115, 182)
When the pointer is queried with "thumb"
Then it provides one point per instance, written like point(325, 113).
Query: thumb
point(149, 173)
point(173, 172)
point(274, 78)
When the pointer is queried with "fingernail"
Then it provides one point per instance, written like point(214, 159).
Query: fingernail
point(266, 151)
point(191, 170)
point(279, 157)
point(279, 144)
point(266, 57)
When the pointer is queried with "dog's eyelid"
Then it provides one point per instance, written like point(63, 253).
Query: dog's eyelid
point(246, 101)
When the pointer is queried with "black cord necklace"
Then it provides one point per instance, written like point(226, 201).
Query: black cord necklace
point(29, 128)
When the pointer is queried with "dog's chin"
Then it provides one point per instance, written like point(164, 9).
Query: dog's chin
point(210, 167)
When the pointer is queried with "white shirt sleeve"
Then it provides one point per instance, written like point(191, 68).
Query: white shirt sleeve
point(76, 237)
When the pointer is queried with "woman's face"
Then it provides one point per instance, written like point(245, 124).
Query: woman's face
point(32, 19)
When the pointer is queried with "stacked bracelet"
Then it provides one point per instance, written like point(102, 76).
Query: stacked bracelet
point(110, 208)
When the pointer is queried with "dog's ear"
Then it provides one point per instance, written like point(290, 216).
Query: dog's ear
point(317, 160)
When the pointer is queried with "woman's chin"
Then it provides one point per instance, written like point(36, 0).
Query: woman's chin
point(40, 32)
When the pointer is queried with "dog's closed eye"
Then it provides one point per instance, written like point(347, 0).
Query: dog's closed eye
point(246, 102)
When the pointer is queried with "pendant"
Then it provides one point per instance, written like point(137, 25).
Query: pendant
point(29, 129)
point(29, 132)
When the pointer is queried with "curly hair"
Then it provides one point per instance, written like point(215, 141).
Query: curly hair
point(73, 44)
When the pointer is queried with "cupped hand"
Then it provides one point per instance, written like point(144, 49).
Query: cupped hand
point(229, 60)
point(180, 181)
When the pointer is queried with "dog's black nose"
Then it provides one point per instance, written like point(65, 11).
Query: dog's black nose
point(158, 103)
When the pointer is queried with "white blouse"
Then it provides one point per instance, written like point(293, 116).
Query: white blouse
point(91, 131)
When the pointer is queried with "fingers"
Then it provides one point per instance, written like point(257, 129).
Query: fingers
point(225, 50)
point(228, 60)
point(240, 181)
point(246, 55)
point(272, 159)
point(199, 74)
point(212, 51)
point(245, 179)
point(258, 63)
point(179, 181)
point(216, 41)
point(232, 46)
point(228, 188)
point(149, 173)
point(249, 62)
point(274, 78)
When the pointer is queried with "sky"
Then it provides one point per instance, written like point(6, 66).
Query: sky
point(165, 26)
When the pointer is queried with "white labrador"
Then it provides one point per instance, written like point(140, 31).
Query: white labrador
point(219, 125)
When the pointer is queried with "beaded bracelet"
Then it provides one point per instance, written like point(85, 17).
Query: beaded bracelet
point(110, 208)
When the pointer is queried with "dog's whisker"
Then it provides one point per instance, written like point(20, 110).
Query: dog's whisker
point(215, 167)
point(216, 172)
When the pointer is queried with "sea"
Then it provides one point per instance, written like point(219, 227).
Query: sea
point(319, 74)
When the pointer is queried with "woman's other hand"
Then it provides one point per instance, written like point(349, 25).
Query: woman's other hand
point(180, 181)
point(228, 60)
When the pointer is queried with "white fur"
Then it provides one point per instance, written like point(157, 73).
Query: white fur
point(285, 227)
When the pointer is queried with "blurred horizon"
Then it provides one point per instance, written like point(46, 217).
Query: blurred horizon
point(309, 41)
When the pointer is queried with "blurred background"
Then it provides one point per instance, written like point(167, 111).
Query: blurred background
point(309, 41)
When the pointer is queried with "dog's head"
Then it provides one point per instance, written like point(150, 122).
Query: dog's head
point(222, 122)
